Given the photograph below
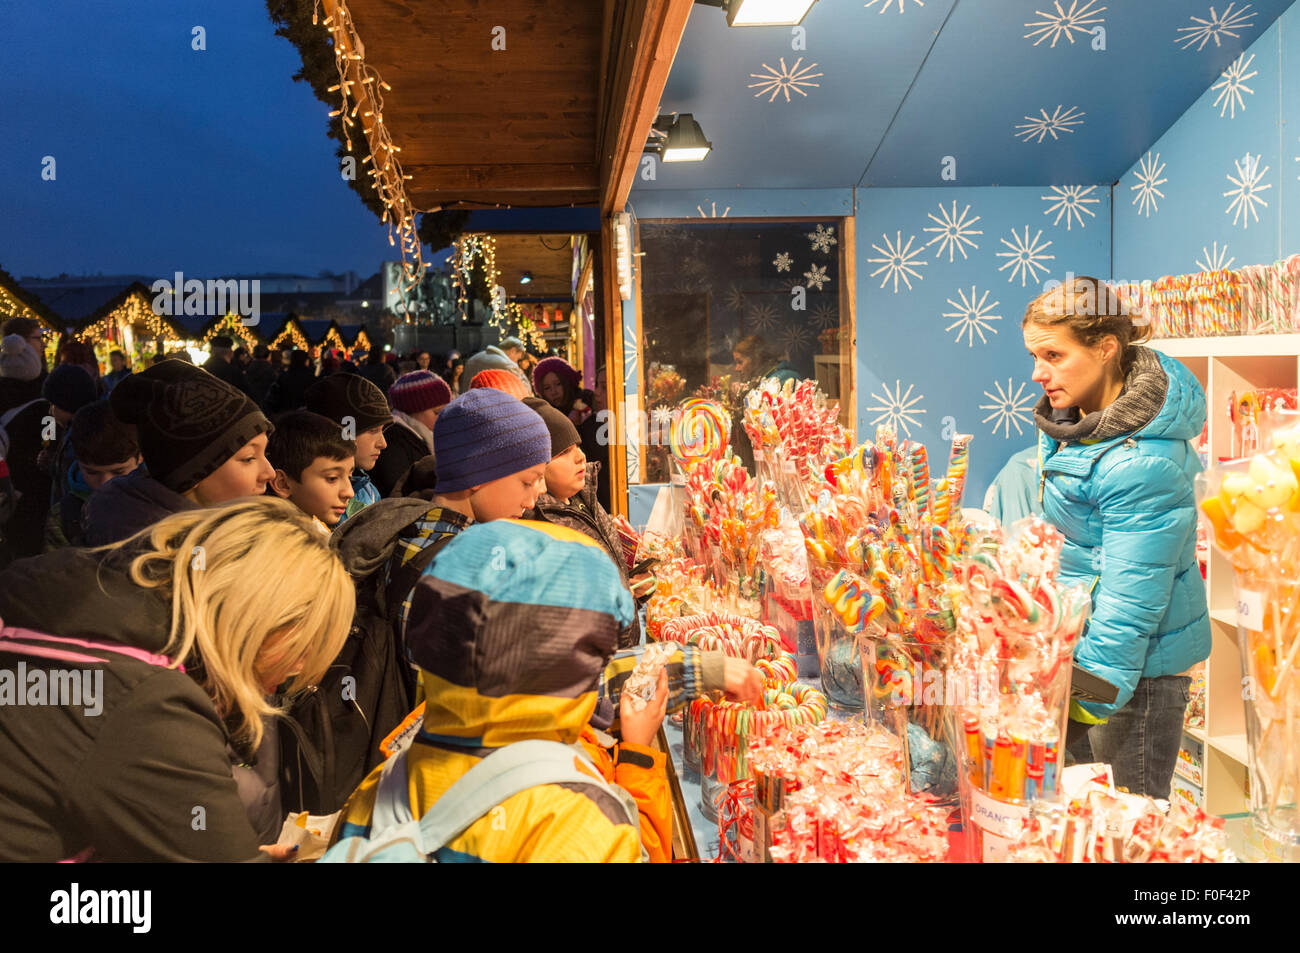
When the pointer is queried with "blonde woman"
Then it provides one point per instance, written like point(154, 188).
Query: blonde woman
point(154, 655)
point(1115, 476)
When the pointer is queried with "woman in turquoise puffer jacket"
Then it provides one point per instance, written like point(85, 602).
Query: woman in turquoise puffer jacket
point(1116, 472)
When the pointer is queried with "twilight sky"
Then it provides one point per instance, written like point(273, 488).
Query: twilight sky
point(168, 159)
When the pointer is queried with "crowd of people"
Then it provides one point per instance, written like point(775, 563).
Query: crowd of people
point(231, 587)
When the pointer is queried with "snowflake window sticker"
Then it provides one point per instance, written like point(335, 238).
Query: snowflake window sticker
point(1061, 24)
point(1009, 409)
point(1071, 201)
point(973, 317)
point(747, 260)
point(1148, 182)
point(735, 298)
point(1025, 258)
point(763, 317)
point(782, 261)
point(899, 261)
point(885, 4)
point(785, 79)
point(823, 239)
point(794, 337)
point(953, 231)
point(1061, 120)
point(897, 408)
point(1245, 197)
point(816, 277)
point(1215, 27)
point(826, 316)
point(1232, 84)
point(1216, 260)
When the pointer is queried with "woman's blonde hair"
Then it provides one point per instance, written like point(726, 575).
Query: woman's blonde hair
point(249, 575)
point(1091, 309)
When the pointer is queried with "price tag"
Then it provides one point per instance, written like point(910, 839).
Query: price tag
point(1250, 610)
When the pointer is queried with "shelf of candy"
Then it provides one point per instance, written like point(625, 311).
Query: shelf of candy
point(1253, 507)
point(795, 434)
point(1010, 676)
point(1098, 825)
point(726, 512)
point(1246, 413)
point(1256, 299)
point(835, 792)
point(880, 545)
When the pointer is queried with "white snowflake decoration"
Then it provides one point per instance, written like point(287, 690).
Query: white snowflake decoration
point(1009, 409)
point(795, 338)
point(1061, 120)
point(1062, 24)
point(1071, 201)
point(973, 317)
point(823, 239)
point(826, 316)
point(815, 277)
point(1232, 84)
point(629, 363)
point(782, 81)
point(899, 261)
point(1025, 257)
point(782, 261)
point(1148, 182)
point(763, 317)
point(734, 299)
point(885, 4)
point(953, 231)
point(1216, 260)
point(747, 260)
point(713, 211)
point(1245, 197)
point(897, 408)
point(1214, 27)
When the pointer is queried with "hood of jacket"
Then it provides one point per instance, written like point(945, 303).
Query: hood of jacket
point(127, 504)
point(366, 541)
point(34, 594)
point(1161, 399)
point(511, 626)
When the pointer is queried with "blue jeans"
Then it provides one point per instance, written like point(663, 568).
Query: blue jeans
point(1141, 740)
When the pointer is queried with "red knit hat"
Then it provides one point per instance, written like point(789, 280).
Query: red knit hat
point(560, 368)
point(417, 391)
point(501, 380)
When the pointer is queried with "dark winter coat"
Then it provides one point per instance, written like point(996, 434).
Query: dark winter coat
point(127, 781)
point(585, 514)
point(25, 531)
point(258, 378)
point(127, 505)
point(15, 393)
point(598, 452)
point(289, 392)
point(404, 448)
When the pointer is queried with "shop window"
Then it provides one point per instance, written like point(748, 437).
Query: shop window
point(708, 287)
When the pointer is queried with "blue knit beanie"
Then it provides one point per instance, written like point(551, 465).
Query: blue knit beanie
point(486, 434)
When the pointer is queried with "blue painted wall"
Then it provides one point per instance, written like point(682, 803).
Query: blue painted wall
point(1193, 223)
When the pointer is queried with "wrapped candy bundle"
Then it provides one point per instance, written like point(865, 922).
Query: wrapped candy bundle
point(1010, 676)
point(1253, 507)
point(833, 792)
point(796, 434)
point(1100, 825)
point(726, 512)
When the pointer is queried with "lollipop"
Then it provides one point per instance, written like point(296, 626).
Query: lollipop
point(700, 430)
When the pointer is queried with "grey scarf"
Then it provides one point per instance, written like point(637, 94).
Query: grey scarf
point(1137, 405)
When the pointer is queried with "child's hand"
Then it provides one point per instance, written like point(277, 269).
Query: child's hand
point(640, 727)
point(741, 681)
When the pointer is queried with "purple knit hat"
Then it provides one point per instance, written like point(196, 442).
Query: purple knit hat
point(417, 391)
point(560, 368)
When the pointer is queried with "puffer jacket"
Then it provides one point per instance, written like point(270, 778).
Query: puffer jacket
point(121, 777)
point(1126, 505)
point(128, 504)
point(585, 514)
point(520, 659)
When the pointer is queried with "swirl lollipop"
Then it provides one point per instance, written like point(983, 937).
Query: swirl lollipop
point(700, 430)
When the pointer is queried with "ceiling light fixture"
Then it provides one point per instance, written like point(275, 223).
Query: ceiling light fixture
point(683, 139)
point(762, 12)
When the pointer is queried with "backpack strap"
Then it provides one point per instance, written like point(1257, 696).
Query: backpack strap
point(498, 777)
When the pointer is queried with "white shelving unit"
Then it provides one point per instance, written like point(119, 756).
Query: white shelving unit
point(1225, 365)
